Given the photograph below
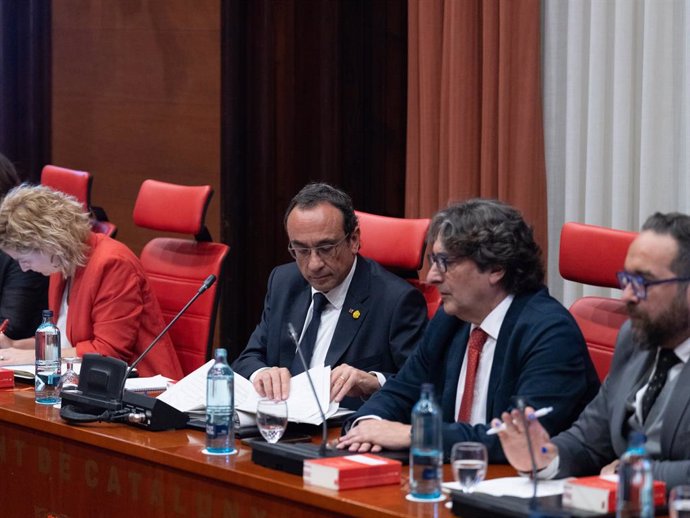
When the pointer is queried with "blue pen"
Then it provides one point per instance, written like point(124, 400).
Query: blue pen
point(534, 415)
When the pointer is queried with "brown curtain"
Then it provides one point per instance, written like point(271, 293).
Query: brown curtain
point(474, 106)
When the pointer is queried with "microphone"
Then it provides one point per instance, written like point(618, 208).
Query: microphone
point(101, 394)
point(324, 427)
point(290, 457)
point(520, 403)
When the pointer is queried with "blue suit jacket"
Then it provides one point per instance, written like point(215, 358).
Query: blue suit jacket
point(540, 355)
point(392, 318)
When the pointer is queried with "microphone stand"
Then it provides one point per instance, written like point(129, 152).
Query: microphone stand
point(324, 427)
point(520, 403)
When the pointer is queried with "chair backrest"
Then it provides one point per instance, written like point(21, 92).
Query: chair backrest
point(398, 245)
point(78, 184)
point(592, 255)
point(176, 267)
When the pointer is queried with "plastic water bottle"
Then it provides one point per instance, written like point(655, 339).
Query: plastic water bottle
point(220, 406)
point(48, 365)
point(426, 451)
point(635, 481)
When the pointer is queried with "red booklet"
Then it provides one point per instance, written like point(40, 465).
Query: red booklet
point(6, 378)
point(598, 493)
point(352, 471)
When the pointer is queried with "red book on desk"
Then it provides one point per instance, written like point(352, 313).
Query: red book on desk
point(6, 378)
point(598, 494)
point(352, 471)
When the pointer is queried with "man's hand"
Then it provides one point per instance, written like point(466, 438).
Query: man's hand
point(514, 441)
point(610, 469)
point(375, 434)
point(273, 383)
point(348, 381)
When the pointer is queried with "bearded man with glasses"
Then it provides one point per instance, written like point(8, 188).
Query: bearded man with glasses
point(348, 311)
point(499, 335)
point(647, 386)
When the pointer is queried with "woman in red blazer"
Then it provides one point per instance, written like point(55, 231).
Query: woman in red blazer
point(97, 283)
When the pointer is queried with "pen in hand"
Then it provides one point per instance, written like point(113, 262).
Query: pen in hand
point(534, 415)
point(5, 324)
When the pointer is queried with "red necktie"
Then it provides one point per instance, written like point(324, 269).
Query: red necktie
point(476, 344)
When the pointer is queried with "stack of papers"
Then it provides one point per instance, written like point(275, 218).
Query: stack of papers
point(189, 395)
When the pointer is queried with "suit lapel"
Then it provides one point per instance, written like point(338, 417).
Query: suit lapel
point(456, 353)
point(296, 314)
point(636, 367)
point(356, 300)
point(677, 407)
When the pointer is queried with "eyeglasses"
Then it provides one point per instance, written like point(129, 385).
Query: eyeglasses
point(442, 261)
point(326, 251)
point(639, 284)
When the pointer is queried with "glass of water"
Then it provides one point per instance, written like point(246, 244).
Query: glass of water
point(679, 502)
point(469, 460)
point(69, 379)
point(271, 418)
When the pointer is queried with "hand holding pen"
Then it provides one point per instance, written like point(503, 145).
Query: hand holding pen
point(497, 428)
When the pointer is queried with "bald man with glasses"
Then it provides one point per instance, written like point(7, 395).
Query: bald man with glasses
point(348, 311)
point(647, 386)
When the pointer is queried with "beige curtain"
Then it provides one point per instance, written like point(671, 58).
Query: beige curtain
point(474, 106)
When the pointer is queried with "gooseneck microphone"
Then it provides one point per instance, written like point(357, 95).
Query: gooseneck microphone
point(324, 427)
point(101, 394)
point(210, 280)
point(520, 403)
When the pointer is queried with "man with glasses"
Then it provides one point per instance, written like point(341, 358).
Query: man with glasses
point(647, 386)
point(500, 335)
point(348, 311)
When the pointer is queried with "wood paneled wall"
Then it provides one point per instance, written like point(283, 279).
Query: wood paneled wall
point(136, 95)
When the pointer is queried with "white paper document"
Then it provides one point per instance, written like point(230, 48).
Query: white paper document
point(189, 394)
point(521, 487)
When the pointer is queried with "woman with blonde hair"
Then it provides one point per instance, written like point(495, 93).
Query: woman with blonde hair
point(98, 289)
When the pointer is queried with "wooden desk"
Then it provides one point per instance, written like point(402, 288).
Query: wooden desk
point(53, 469)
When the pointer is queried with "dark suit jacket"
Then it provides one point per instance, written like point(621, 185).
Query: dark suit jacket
point(23, 296)
point(596, 438)
point(391, 322)
point(540, 354)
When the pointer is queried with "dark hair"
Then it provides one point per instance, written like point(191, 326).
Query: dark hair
point(8, 176)
point(493, 235)
point(677, 226)
point(313, 194)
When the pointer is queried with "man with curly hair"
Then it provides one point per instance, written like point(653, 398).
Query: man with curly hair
point(500, 334)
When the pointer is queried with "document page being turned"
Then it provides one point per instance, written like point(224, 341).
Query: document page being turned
point(189, 395)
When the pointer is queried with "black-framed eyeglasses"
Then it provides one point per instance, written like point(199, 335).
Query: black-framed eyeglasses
point(639, 284)
point(327, 251)
point(441, 261)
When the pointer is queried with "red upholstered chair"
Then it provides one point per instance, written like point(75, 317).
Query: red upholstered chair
point(592, 255)
point(78, 184)
point(398, 245)
point(177, 267)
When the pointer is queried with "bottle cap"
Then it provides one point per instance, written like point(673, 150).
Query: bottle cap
point(47, 313)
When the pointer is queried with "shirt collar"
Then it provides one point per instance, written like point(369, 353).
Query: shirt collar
point(336, 296)
point(683, 351)
point(493, 321)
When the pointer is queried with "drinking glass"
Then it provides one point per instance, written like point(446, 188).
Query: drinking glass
point(469, 460)
point(70, 379)
point(679, 502)
point(271, 418)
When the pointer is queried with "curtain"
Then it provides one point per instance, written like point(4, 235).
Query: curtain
point(474, 106)
point(616, 114)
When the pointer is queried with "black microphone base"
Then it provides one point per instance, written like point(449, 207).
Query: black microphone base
point(479, 505)
point(156, 414)
point(289, 457)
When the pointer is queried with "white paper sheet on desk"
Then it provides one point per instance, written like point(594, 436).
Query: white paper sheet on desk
point(521, 487)
point(189, 394)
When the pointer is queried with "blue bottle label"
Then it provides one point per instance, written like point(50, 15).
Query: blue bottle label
point(216, 430)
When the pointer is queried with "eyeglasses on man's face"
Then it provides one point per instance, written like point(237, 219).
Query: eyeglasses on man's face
point(442, 260)
point(326, 251)
point(639, 284)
